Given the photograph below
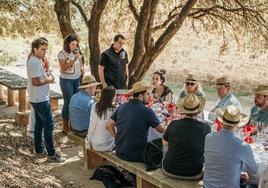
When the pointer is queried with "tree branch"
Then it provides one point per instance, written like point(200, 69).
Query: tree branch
point(171, 17)
point(81, 10)
point(133, 9)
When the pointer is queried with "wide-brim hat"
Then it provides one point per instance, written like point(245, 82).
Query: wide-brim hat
point(190, 79)
point(223, 81)
point(191, 104)
point(140, 87)
point(261, 90)
point(88, 81)
point(231, 116)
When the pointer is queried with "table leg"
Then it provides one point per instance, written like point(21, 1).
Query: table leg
point(10, 97)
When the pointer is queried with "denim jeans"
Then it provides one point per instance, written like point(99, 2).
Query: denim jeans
point(43, 121)
point(68, 88)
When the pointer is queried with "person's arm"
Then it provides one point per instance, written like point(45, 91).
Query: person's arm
point(101, 76)
point(65, 65)
point(127, 74)
point(159, 128)
point(37, 81)
point(110, 127)
point(249, 163)
point(165, 146)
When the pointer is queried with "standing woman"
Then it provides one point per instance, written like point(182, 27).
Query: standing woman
point(70, 68)
point(98, 136)
point(161, 92)
point(191, 86)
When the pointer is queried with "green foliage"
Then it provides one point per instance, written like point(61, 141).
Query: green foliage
point(27, 18)
point(7, 58)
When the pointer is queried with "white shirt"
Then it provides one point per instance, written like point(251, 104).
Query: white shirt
point(35, 69)
point(77, 65)
point(98, 135)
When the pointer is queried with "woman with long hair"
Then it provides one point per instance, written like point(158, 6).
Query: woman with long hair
point(161, 92)
point(191, 85)
point(98, 136)
point(70, 67)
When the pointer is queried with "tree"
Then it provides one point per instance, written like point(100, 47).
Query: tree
point(155, 28)
point(26, 18)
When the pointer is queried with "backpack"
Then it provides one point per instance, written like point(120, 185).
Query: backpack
point(152, 154)
point(111, 177)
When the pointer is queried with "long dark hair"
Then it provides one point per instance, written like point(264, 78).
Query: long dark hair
point(106, 101)
point(68, 39)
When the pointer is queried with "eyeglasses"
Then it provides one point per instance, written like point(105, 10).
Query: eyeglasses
point(190, 84)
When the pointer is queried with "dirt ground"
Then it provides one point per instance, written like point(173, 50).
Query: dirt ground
point(20, 168)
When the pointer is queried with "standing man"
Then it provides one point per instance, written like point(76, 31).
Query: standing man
point(259, 112)
point(227, 158)
point(113, 67)
point(81, 105)
point(133, 120)
point(38, 89)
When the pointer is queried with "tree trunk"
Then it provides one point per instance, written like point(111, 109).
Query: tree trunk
point(152, 51)
point(62, 9)
point(93, 36)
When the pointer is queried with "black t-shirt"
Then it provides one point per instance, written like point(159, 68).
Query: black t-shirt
point(114, 67)
point(165, 92)
point(133, 122)
point(186, 139)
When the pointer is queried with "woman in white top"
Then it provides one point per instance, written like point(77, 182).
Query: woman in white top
point(70, 67)
point(98, 136)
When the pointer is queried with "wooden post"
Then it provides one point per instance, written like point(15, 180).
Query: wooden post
point(10, 97)
point(2, 98)
point(22, 100)
point(141, 183)
point(91, 159)
point(54, 104)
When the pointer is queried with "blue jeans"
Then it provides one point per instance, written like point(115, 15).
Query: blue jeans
point(68, 88)
point(43, 121)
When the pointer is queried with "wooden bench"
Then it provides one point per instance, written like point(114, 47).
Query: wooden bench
point(15, 82)
point(144, 179)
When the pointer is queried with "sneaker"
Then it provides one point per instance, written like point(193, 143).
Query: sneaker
point(56, 158)
point(41, 155)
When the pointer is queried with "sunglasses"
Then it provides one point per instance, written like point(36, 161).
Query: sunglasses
point(190, 84)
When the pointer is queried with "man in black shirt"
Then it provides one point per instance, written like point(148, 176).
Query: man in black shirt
point(113, 67)
point(185, 140)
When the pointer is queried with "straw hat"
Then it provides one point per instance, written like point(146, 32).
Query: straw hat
point(223, 81)
point(262, 90)
point(140, 86)
point(88, 81)
point(231, 116)
point(190, 79)
point(191, 104)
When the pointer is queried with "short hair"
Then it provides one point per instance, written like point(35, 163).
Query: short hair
point(135, 95)
point(118, 36)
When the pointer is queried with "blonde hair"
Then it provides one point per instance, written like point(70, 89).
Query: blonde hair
point(198, 88)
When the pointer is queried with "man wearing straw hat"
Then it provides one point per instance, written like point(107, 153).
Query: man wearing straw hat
point(226, 97)
point(226, 156)
point(132, 120)
point(81, 104)
point(259, 112)
point(185, 139)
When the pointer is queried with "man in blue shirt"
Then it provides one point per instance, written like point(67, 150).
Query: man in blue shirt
point(259, 112)
point(81, 104)
point(226, 97)
point(227, 158)
point(132, 120)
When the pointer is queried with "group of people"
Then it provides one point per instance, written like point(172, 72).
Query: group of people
point(190, 150)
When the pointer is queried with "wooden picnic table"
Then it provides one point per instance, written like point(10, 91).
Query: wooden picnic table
point(15, 82)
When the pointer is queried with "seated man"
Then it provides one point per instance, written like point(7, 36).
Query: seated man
point(132, 120)
point(226, 156)
point(185, 139)
point(259, 112)
point(226, 97)
point(81, 104)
